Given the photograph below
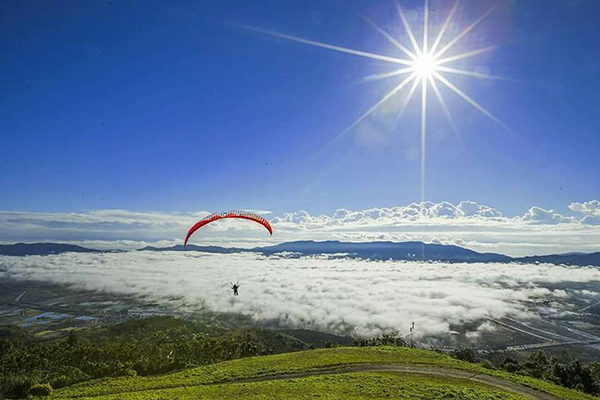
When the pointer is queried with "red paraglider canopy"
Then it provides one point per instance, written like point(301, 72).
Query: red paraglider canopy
point(229, 214)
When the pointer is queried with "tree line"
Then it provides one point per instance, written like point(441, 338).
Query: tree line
point(26, 367)
point(571, 374)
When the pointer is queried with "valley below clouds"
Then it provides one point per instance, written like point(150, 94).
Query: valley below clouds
point(332, 294)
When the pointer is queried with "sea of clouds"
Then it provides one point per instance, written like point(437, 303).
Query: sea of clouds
point(337, 295)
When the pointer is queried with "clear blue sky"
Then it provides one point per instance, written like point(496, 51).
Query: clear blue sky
point(172, 106)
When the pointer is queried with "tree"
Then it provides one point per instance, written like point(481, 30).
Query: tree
point(510, 364)
point(464, 354)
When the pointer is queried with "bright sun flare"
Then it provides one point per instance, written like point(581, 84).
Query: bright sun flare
point(426, 66)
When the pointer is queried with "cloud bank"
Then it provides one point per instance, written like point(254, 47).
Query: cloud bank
point(591, 210)
point(342, 296)
point(468, 223)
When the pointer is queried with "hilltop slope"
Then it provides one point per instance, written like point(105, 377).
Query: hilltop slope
point(349, 372)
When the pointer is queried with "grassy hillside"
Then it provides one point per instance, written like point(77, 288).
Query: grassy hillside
point(344, 386)
point(219, 380)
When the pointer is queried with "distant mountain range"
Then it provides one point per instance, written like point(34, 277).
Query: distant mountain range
point(387, 250)
point(365, 250)
point(569, 259)
point(371, 250)
point(192, 247)
point(41, 249)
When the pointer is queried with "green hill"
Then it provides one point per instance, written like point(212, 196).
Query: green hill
point(340, 373)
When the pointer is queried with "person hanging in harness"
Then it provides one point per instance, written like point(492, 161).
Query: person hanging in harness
point(235, 288)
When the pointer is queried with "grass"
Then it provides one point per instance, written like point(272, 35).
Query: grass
point(344, 386)
point(191, 383)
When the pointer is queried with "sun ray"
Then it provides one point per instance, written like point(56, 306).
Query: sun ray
point(409, 31)
point(471, 101)
point(385, 98)
point(444, 27)
point(436, 90)
point(465, 55)
point(423, 134)
point(473, 74)
point(333, 47)
point(465, 32)
point(390, 38)
point(412, 90)
point(426, 27)
point(424, 66)
point(389, 74)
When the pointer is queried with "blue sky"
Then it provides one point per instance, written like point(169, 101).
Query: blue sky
point(173, 106)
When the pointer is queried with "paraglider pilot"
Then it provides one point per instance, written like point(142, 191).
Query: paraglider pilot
point(235, 288)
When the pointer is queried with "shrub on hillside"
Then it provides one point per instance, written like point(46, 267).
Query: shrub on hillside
point(40, 389)
point(385, 340)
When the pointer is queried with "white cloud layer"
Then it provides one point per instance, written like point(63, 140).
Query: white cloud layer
point(468, 224)
point(342, 296)
point(591, 210)
point(589, 207)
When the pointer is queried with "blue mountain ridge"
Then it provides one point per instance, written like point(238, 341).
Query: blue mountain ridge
point(380, 250)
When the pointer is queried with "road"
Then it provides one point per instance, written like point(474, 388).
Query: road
point(488, 380)
point(418, 370)
point(19, 297)
point(550, 339)
point(590, 306)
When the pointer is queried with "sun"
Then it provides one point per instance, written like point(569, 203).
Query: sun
point(426, 66)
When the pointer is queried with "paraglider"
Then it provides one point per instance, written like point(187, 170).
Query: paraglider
point(230, 214)
point(235, 288)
